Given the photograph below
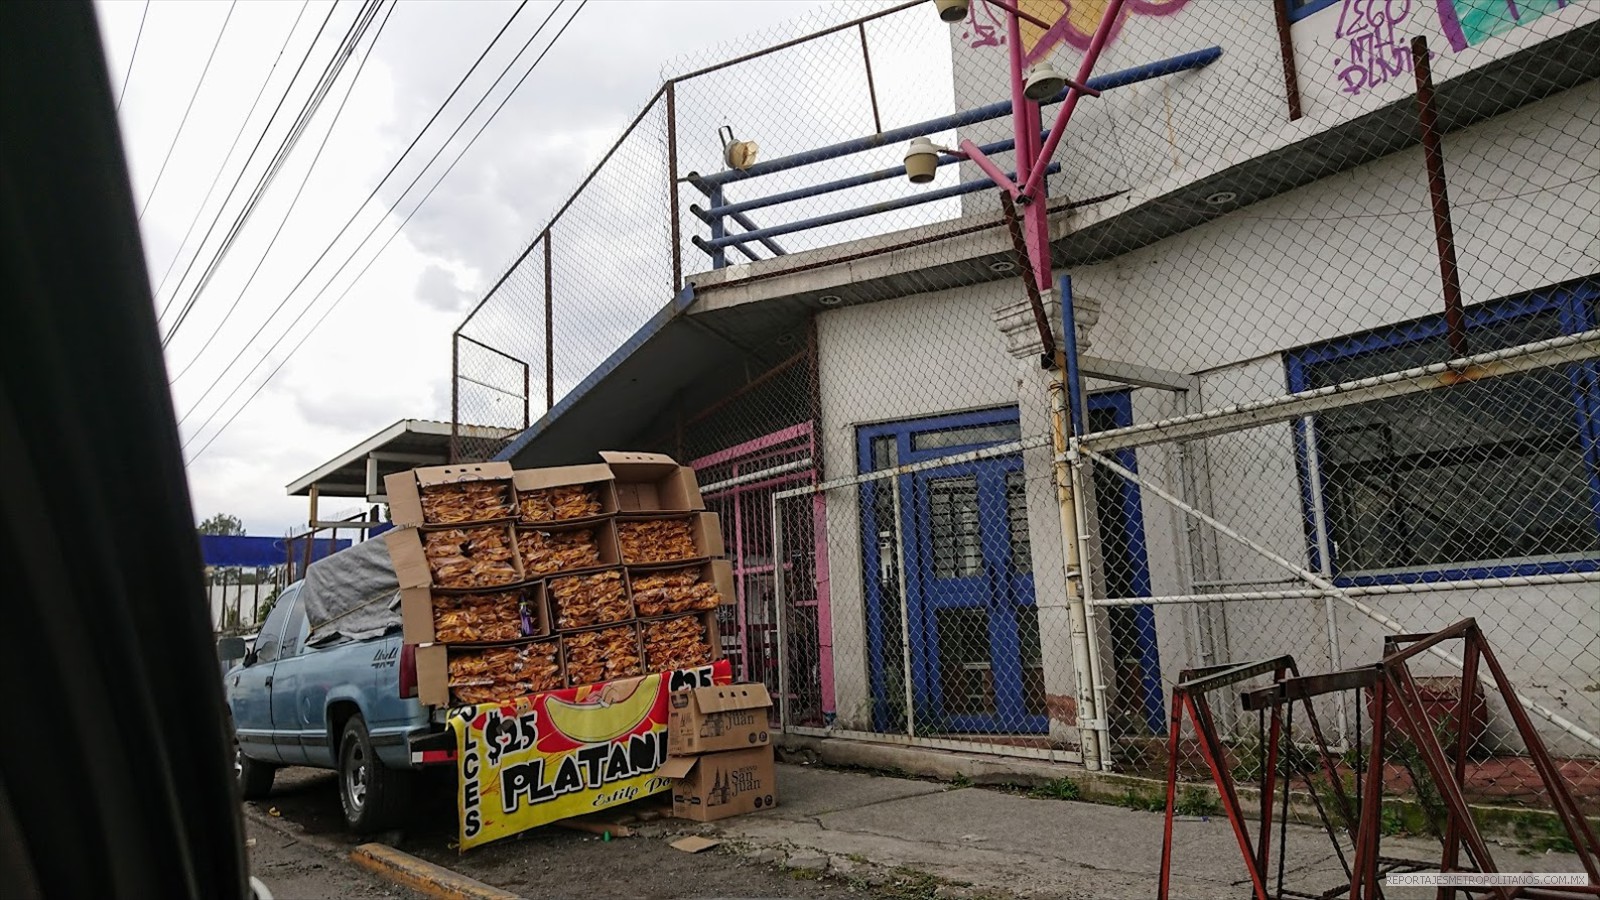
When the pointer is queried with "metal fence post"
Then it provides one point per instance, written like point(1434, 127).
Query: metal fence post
point(672, 186)
point(455, 396)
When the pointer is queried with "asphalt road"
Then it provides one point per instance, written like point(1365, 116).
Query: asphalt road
point(295, 869)
point(544, 862)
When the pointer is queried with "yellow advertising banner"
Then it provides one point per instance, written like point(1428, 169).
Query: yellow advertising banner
point(552, 756)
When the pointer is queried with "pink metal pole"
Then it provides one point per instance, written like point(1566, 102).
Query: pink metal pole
point(995, 173)
point(1019, 102)
point(1024, 113)
point(1090, 57)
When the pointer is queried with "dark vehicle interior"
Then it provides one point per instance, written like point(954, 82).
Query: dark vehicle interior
point(115, 777)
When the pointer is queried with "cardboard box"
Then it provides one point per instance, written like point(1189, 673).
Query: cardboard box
point(605, 538)
point(596, 475)
point(717, 572)
point(405, 488)
point(653, 482)
point(708, 622)
point(411, 562)
point(705, 530)
point(721, 717)
point(417, 616)
point(433, 669)
point(718, 785)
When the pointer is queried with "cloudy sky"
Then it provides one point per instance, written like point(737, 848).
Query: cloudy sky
point(382, 354)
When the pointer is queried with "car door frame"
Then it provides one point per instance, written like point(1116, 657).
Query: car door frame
point(256, 737)
point(288, 717)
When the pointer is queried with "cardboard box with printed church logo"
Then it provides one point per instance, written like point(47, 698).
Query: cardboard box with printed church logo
point(720, 717)
point(715, 786)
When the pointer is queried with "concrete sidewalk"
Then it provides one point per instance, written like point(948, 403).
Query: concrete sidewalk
point(1002, 844)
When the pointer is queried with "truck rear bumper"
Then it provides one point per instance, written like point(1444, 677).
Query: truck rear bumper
point(433, 748)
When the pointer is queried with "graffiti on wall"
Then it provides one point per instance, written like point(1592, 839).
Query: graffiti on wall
point(1467, 23)
point(1373, 43)
point(1373, 46)
point(1074, 23)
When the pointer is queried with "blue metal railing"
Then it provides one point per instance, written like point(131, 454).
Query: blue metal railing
point(718, 209)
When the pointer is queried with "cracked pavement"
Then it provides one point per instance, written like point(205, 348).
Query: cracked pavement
point(1012, 844)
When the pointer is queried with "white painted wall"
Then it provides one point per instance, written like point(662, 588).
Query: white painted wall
point(1156, 135)
point(900, 359)
point(1351, 252)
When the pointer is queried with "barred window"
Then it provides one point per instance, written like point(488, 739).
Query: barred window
point(1498, 474)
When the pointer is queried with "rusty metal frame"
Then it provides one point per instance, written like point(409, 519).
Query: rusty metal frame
point(1397, 712)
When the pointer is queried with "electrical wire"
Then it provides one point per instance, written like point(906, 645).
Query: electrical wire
point(195, 295)
point(123, 91)
point(315, 325)
point(290, 140)
point(299, 192)
point(221, 166)
point(379, 186)
point(187, 109)
point(240, 177)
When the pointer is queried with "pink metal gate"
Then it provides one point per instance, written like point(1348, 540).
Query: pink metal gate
point(738, 484)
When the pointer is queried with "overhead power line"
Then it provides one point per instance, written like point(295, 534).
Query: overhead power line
point(123, 91)
point(223, 164)
point(188, 109)
point(376, 188)
point(240, 177)
point(396, 233)
point(299, 191)
point(286, 145)
point(194, 295)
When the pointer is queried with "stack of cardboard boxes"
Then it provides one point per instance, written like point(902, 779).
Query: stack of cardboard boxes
point(516, 582)
point(720, 751)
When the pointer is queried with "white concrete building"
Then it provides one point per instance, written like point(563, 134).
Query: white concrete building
point(1242, 256)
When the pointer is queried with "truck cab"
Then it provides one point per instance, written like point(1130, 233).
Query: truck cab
point(335, 703)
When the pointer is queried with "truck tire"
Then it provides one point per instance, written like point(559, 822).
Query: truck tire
point(374, 796)
point(254, 778)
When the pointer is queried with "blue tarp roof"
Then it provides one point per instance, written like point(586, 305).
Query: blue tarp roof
point(251, 552)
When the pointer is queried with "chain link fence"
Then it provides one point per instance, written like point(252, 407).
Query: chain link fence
point(1333, 382)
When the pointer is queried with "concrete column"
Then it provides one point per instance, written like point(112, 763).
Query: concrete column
point(1015, 321)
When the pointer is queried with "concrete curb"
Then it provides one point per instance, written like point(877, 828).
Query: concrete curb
point(423, 876)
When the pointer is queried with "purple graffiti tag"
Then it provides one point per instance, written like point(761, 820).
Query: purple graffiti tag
point(982, 34)
point(1374, 55)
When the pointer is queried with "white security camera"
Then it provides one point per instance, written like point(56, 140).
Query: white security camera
point(922, 158)
point(1043, 82)
point(951, 11)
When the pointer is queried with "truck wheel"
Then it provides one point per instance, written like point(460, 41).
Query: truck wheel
point(373, 795)
point(255, 778)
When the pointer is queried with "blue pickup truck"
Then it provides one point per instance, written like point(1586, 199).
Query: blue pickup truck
point(332, 702)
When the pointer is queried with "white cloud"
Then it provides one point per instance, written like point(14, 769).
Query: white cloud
point(384, 354)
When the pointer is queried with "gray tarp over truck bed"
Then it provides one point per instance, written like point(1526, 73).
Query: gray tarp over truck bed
point(353, 592)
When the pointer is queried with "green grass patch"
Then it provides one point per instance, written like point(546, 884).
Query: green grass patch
point(1057, 789)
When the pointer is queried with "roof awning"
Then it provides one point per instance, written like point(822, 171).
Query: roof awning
point(678, 360)
point(408, 443)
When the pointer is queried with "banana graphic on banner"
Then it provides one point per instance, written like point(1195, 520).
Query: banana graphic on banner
point(627, 706)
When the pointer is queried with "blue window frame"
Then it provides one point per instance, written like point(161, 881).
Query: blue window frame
point(1299, 9)
point(1481, 480)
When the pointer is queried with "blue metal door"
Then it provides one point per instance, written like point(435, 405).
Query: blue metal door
point(972, 601)
point(957, 650)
